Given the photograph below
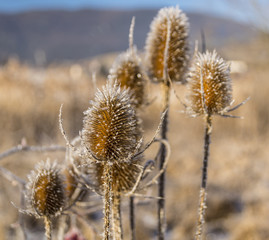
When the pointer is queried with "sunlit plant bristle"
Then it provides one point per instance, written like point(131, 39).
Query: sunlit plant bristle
point(173, 21)
point(111, 128)
point(46, 190)
point(210, 88)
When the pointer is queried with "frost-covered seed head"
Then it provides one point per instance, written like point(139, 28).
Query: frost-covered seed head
point(127, 71)
point(170, 19)
point(111, 128)
point(46, 190)
point(210, 88)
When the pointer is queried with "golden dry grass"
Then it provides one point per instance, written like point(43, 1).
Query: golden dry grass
point(238, 190)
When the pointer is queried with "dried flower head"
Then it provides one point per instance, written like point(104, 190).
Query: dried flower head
point(209, 85)
point(46, 190)
point(127, 71)
point(111, 129)
point(167, 45)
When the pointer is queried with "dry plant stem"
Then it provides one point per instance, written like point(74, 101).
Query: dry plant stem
point(48, 227)
point(25, 148)
point(62, 227)
point(116, 217)
point(161, 187)
point(202, 197)
point(132, 217)
point(21, 221)
point(107, 201)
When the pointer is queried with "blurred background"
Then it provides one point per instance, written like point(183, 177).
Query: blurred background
point(49, 52)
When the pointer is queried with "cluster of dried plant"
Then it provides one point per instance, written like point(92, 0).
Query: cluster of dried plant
point(107, 158)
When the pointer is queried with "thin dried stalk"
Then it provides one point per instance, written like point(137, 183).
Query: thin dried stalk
point(202, 197)
point(161, 186)
point(107, 201)
point(116, 216)
point(25, 148)
point(48, 227)
point(132, 218)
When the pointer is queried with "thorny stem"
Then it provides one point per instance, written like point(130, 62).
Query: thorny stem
point(132, 218)
point(202, 197)
point(116, 211)
point(107, 200)
point(162, 152)
point(48, 227)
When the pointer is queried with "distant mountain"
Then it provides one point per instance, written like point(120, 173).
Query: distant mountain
point(58, 35)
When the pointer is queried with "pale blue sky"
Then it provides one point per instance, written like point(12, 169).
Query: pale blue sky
point(224, 8)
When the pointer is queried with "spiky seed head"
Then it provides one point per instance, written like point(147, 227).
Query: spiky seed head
point(111, 129)
point(210, 88)
point(46, 190)
point(124, 176)
point(127, 71)
point(168, 30)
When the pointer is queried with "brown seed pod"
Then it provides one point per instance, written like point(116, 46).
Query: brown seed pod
point(46, 190)
point(127, 71)
point(167, 45)
point(111, 128)
point(210, 88)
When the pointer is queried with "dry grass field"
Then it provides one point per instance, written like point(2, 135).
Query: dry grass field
point(238, 181)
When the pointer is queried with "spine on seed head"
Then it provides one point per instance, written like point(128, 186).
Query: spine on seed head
point(167, 47)
point(210, 88)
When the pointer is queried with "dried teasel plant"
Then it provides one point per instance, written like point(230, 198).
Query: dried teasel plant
point(210, 93)
point(167, 58)
point(127, 70)
point(112, 135)
point(45, 193)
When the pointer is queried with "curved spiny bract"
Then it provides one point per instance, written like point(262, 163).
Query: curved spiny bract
point(210, 88)
point(176, 59)
point(111, 129)
point(70, 180)
point(127, 71)
point(46, 194)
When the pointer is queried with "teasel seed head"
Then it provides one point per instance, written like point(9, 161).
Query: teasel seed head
point(128, 72)
point(111, 129)
point(124, 175)
point(167, 47)
point(210, 88)
point(46, 190)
